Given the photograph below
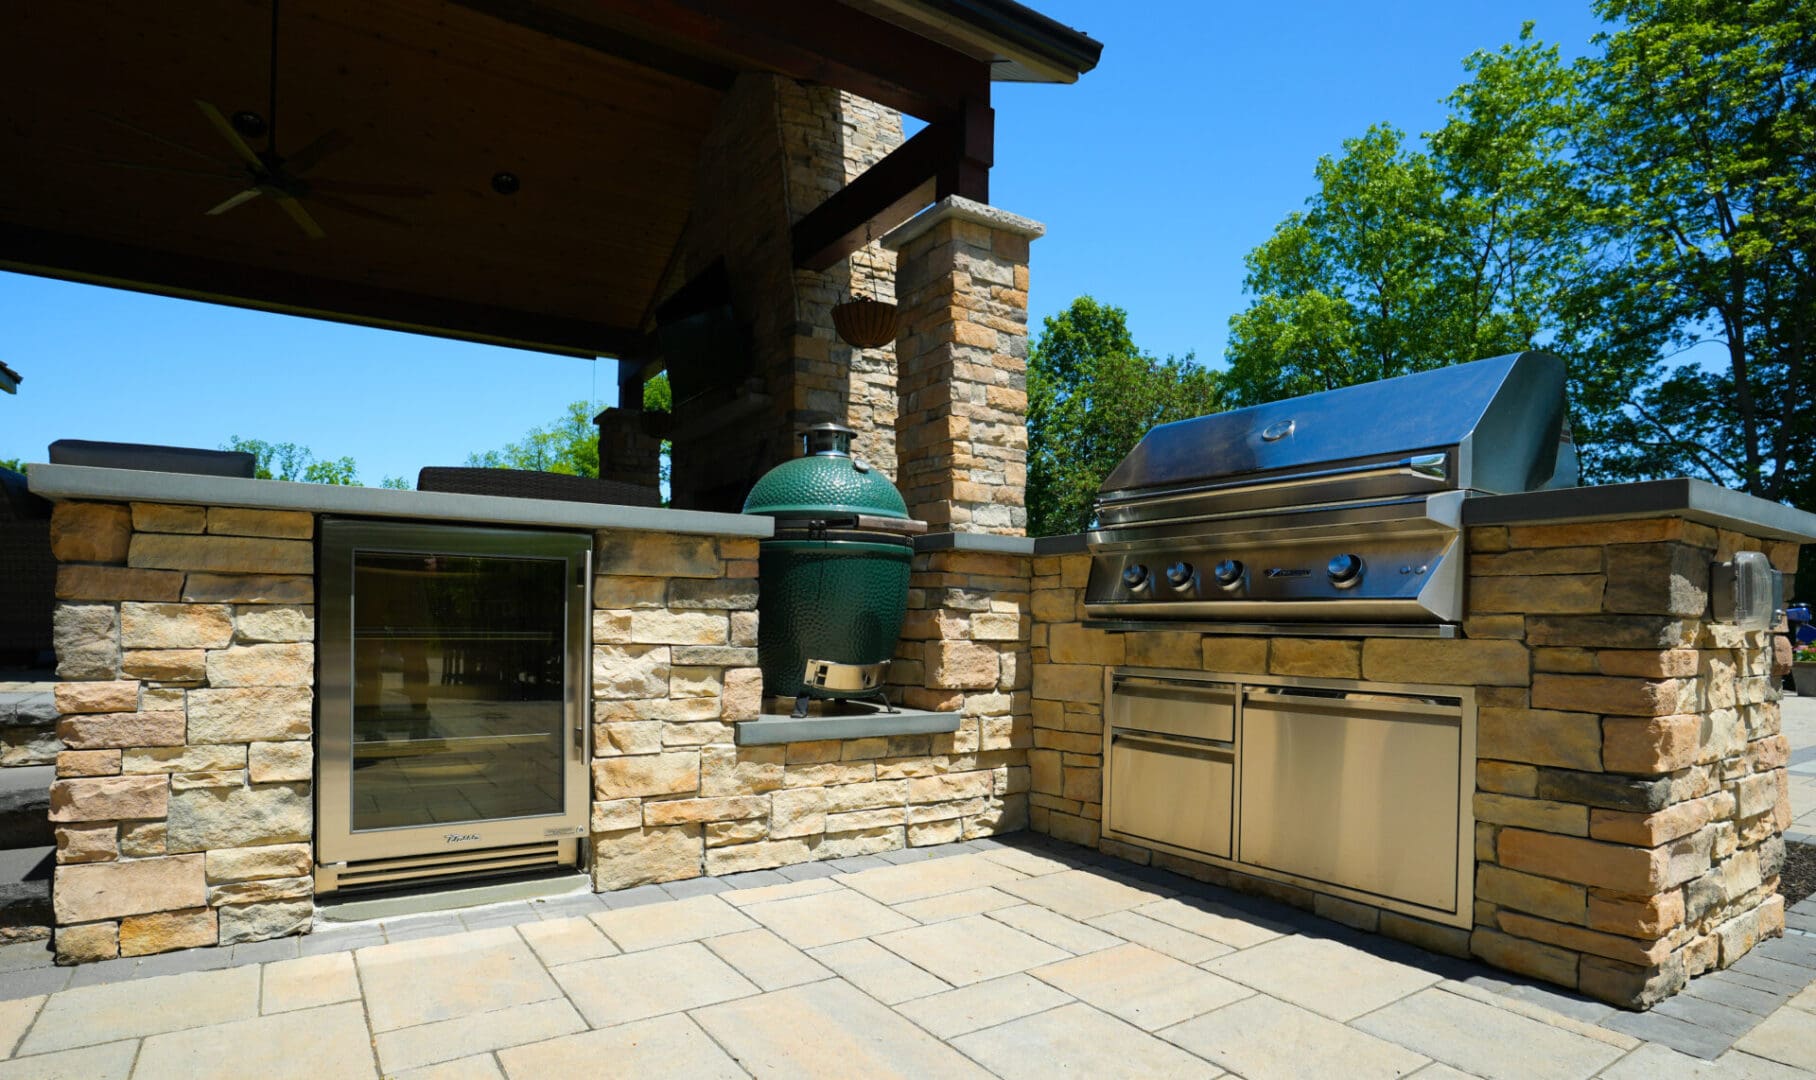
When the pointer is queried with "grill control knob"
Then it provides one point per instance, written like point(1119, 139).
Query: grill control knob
point(1345, 570)
point(1228, 572)
point(1180, 574)
point(1135, 577)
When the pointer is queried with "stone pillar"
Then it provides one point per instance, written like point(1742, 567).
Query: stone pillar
point(961, 366)
point(182, 803)
point(626, 454)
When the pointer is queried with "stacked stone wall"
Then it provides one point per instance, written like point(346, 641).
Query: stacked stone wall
point(777, 149)
point(675, 797)
point(182, 804)
point(1630, 784)
point(961, 367)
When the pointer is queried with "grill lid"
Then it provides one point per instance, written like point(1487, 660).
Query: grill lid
point(1496, 421)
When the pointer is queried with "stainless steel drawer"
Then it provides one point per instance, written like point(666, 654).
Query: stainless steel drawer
point(1357, 791)
point(1184, 707)
point(1171, 793)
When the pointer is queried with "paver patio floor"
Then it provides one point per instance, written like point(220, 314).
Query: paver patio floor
point(1012, 957)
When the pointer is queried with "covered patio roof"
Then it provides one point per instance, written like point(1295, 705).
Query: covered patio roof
point(597, 107)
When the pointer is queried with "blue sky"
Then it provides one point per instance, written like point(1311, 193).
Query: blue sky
point(1155, 175)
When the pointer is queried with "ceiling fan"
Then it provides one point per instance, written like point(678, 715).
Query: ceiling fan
point(269, 174)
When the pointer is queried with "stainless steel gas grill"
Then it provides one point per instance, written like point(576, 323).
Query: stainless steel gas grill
point(1329, 512)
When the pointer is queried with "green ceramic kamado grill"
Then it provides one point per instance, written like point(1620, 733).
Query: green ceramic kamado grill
point(835, 575)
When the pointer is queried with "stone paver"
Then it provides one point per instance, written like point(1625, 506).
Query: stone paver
point(1260, 1037)
point(827, 917)
point(828, 1029)
point(302, 1045)
point(982, 1005)
point(564, 941)
point(1655, 1062)
point(446, 1040)
point(1787, 1036)
point(1161, 937)
point(919, 880)
point(1486, 1041)
point(1080, 894)
point(307, 982)
point(444, 978)
point(88, 1015)
point(615, 989)
point(670, 1045)
point(766, 959)
point(1054, 929)
point(1016, 957)
point(112, 1061)
point(969, 950)
point(1326, 976)
point(878, 972)
point(15, 1017)
point(477, 1067)
point(1091, 1043)
point(1141, 986)
point(957, 905)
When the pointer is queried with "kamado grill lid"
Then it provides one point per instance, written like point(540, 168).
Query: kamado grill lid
point(827, 482)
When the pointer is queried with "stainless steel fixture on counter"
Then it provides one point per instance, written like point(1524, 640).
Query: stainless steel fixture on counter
point(1348, 788)
point(1338, 508)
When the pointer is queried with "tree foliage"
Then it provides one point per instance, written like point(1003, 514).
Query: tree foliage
point(569, 446)
point(1618, 211)
point(15, 464)
point(289, 461)
point(659, 397)
point(1092, 395)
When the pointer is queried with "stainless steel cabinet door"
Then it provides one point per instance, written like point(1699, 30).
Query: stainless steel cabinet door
point(1171, 793)
point(1359, 791)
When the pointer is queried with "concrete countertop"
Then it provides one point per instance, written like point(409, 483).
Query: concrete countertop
point(61, 482)
point(1694, 500)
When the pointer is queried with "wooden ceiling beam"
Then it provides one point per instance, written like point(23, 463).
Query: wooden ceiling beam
point(99, 262)
point(948, 157)
point(575, 30)
point(815, 41)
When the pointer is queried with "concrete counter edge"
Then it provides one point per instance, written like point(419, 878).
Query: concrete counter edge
point(64, 482)
point(1695, 500)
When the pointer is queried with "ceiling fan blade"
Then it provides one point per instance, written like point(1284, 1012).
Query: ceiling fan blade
point(346, 207)
point(221, 125)
point(358, 187)
point(234, 200)
point(152, 135)
point(301, 216)
point(311, 155)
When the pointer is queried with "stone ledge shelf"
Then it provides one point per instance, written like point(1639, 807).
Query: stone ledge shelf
point(772, 728)
point(60, 482)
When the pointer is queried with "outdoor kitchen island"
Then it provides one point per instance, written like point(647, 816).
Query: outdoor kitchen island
point(188, 807)
point(1621, 795)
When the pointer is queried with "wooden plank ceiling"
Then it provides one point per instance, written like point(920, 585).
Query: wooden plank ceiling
point(430, 94)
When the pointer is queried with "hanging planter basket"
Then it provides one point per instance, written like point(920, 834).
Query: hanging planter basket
point(865, 323)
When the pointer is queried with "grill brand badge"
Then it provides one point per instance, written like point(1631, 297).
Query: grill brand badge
point(1287, 571)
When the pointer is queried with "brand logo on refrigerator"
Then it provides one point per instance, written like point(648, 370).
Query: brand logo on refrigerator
point(458, 837)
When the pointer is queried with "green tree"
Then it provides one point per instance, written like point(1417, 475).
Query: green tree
point(658, 397)
point(1700, 153)
point(569, 446)
point(15, 464)
point(1618, 211)
point(289, 461)
point(1092, 395)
